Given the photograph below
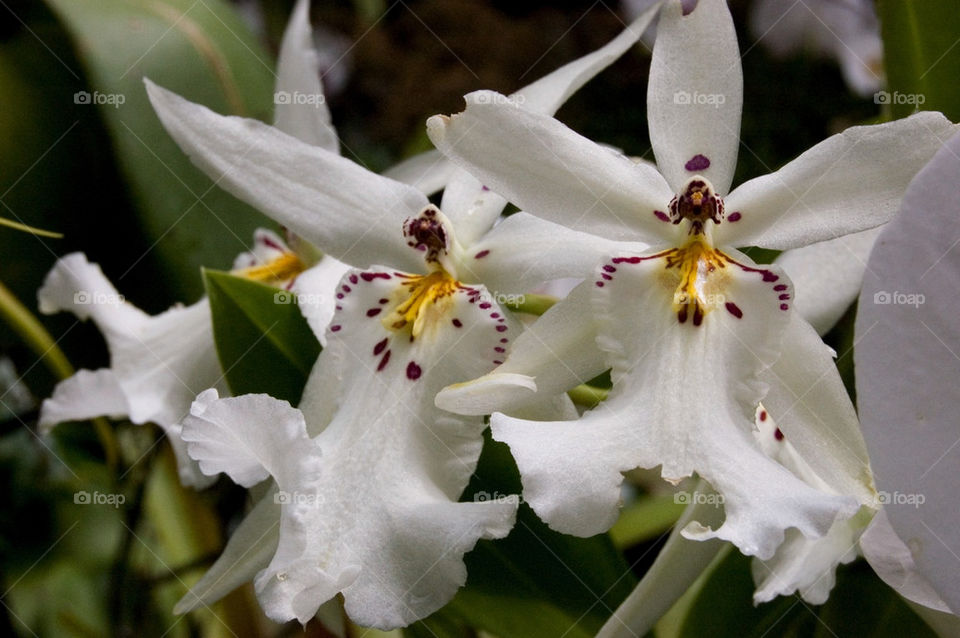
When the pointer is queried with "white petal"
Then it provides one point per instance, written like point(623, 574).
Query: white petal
point(524, 251)
point(85, 395)
point(891, 559)
point(315, 289)
point(472, 207)
point(827, 276)
point(228, 435)
point(907, 366)
point(300, 108)
point(683, 397)
point(695, 94)
point(160, 362)
point(267, 246)
point(248, 551)
point(342, 208)
point(549, 171)
point(553, 355)
point(808, 401)
point(548, 94)
point(850, 182)
point(429, 171)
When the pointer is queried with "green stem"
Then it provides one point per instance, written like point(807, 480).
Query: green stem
point(9, 223)
point(531, 304)
point(16, 315)
point(587, 395)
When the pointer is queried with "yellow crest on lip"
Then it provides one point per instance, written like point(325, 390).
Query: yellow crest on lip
point(421, 299)
point(696, 272)
point(276, 271)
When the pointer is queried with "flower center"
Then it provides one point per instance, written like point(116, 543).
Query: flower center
point(696, 272)
point(698, 203)
point(421, 301)
point(276, 271)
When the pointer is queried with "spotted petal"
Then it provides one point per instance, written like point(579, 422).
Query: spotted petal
point(695, 94)
point(850, 182)
point(300, 108)
point(683, 398)
point(339, 206)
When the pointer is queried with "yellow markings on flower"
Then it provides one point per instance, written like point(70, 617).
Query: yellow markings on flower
point(696, 273)
point(422, 300)
point(276, 271)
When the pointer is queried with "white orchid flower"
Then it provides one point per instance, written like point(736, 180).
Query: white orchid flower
point(696, 333)
point(421, 309)
point(160, 363)
point(906, 370)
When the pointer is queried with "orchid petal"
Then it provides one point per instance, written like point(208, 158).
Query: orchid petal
point(551, 172)
point(827, 276)
point(695, 94)
point(551, 356)
point(85, 395)
point(428, 172)
point(891, 559)
point(298, 74)
point(808, 401)
point(850, 182)
point(524, 251)
point(683, 398)
point(472, 207)
point(548, 94)
point(248, 551)
point(315, 289)
point(339, 206)
point(907, 366)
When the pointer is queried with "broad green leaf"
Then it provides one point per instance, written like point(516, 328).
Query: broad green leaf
point(645, 519)
point(536, 582)
point(921, 56)
point(860, 606)
point(263, 342)
point(203, 51)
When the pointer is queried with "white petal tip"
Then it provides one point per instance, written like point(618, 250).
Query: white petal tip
point(493, 392)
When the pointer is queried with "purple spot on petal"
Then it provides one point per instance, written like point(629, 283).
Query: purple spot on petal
point(769, 276)
point(413, 371)
point(501, 328)
point(784, 306)
point(353, 278)
point(777, 434)
point(599, 284)
point(457, 323)
point(497, 362)
point(370, 276)
point(606, 276)
point(484, 189)
point(346, 288)
point(481, 254)
point(494, 315)
point(485, 305)
point(697, 163)
point(339, 295)
point(784, 297)
point(662, 216)
point(734, 217)
point(384, 361)
point(609, 268)
point(373, 312)
point(763, 415)
point(504, 340)
point(734, 309)
point(500, 349)
point(335, 328)
point(377, 349)
point(780, 287)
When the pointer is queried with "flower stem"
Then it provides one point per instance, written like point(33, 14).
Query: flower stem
point(531, 304)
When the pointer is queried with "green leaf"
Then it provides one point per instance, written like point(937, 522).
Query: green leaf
point(921, 56)
point(536, 582)
point(263, 342)
point(646, 519)
point(203, 51)
point(860, 606)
